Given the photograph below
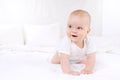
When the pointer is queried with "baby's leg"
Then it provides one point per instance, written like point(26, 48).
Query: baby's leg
point(56, 59)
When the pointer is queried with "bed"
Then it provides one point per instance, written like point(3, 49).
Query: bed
point(22, 63)
point(25, 54)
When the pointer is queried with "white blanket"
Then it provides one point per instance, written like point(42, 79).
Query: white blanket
point(35, 65)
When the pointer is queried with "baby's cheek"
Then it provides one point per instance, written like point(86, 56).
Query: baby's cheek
point(68, 35)
point(84, 33)
point(81, 33)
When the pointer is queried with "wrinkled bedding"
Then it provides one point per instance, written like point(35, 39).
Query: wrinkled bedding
point(22, 63)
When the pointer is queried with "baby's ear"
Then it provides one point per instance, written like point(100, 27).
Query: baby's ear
point(88, 30)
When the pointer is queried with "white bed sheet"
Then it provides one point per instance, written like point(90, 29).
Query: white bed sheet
point(35, 65)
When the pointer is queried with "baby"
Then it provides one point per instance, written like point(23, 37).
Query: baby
point(76, 46)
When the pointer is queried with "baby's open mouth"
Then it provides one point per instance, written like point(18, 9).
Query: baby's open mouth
point(74, 35)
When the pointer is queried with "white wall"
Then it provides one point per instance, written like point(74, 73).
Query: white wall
point(49, 11)
point(111, 18)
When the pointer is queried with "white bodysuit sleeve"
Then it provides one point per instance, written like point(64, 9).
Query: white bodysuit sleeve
point(90, 46)
point(64, 46)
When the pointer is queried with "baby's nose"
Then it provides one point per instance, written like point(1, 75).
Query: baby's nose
point(74, 30)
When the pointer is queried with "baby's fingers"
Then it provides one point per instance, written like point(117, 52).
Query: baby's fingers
point(86, 72)
point(82, 72)
point(75, 73)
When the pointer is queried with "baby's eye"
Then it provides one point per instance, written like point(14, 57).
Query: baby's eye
point(70, 26)
point(79, 28)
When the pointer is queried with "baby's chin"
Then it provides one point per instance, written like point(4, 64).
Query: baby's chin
point(74, 39)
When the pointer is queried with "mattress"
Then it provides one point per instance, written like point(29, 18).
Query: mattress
point(22, 63)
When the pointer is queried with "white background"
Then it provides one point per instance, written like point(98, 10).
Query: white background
point(49, 11)
point(105, 14)
point(111, 17)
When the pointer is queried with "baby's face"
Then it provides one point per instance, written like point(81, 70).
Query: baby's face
point(78, 27)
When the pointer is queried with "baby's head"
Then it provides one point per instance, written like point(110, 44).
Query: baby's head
point(78, 25)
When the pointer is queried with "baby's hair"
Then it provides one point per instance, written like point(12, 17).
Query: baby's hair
point(80, 12)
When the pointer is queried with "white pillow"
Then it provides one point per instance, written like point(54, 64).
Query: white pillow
point(42, 35)
point(11, 34)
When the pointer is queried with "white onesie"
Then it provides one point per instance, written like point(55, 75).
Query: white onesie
point(76, 53)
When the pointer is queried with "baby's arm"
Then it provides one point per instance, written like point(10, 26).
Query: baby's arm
point(65, 64)
point(90, 63)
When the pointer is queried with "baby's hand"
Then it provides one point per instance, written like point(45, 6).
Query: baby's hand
point(75, 73)
point(86, 71)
